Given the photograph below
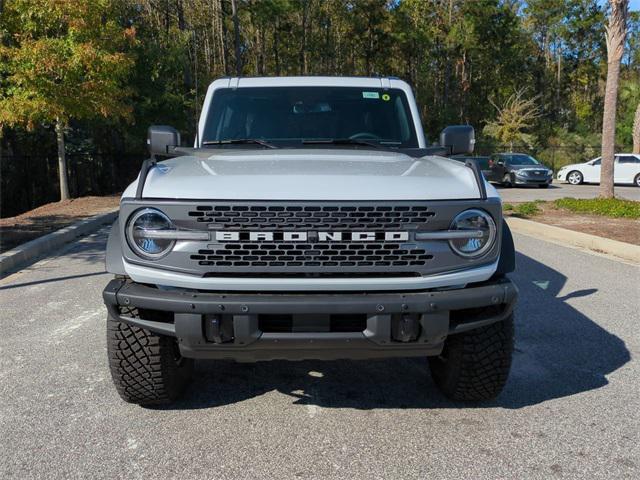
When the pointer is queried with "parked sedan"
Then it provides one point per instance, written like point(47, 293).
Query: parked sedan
point(625, 170)
point(510, 169)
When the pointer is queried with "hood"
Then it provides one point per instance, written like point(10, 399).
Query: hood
point(309, 174)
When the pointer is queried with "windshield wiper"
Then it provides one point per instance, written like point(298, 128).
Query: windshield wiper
point(240, 141)
point(342, 141)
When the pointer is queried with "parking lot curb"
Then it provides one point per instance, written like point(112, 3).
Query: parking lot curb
point(562, 236)
point(27, 253)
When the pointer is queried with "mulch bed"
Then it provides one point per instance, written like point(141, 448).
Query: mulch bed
point(622, 229)
point(27, 226)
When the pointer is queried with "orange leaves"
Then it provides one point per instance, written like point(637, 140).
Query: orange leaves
point(68, 59)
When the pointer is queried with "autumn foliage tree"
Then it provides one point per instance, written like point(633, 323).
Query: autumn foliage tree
point(63, 60)
point(514, 118)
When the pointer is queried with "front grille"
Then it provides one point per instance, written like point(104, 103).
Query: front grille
point(312, 255)
point(291, 217)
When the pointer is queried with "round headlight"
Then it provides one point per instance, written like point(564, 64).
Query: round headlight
point(142, 233)
point(477, 221)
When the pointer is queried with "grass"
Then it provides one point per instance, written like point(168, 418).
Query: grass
point(526, 209)
point(608, 207)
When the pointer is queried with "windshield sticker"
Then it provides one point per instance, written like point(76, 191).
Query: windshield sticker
point(386, 97)
point(375, 95)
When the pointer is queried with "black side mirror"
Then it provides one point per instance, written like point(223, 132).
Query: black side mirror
point(459, 139)
point(160, 138)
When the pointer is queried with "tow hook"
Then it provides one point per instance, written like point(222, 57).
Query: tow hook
point(218, 328)
point(405, 327)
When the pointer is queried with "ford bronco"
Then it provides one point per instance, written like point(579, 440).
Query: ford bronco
point(310, 220)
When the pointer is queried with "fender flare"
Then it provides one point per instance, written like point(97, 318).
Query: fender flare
point(507, 262)
point(113, 257)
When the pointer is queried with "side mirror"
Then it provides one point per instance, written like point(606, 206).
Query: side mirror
point(160, 138)
point(459, 139)
point(501, 162)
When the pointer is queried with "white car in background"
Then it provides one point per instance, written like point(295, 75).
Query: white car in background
point(626, 170)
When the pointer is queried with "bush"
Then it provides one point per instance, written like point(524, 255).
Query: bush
point(609, 207)
point(527, 209)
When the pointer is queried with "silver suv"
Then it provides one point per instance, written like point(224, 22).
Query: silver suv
point(310, 220)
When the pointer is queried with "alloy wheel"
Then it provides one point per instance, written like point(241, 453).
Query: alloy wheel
point(575, 178)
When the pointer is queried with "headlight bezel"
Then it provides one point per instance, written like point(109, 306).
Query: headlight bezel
point(492, 234)
point(130, 234)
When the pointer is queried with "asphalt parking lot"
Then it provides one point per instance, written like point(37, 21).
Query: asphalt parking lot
point(571, 408)
point(560, 190)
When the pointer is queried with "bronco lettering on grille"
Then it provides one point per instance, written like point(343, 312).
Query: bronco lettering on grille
point(226, 236)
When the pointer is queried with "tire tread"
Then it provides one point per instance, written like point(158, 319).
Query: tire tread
point(143, 366)
point(477, 362)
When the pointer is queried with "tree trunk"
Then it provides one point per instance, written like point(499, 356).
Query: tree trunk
point(636, 131)
point(223, 39)
point(62, 161)
point(302, 54)
point(276, 45)
point(615, 36)
point(236, 35)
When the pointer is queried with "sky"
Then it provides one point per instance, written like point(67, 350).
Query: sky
point(634, 5)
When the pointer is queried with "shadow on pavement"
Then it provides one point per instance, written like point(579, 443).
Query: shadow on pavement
point(559, 352)
point(88, 250)
point(54, 279)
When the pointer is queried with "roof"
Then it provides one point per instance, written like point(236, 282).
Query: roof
point(309, 81)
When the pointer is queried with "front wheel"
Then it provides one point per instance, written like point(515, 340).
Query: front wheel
point(575, 178)
point(475, 365)
point(146, 368)
point(637, 180)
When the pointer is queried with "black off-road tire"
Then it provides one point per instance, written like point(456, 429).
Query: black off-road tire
point(146, 368)
point(475, 365)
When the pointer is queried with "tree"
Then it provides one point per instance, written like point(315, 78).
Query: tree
point(64, 60)
point(616, 33)
point(514, 117)
point(236, 35)
point(636, 131)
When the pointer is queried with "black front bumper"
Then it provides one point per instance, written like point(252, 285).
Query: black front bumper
point(187, 315)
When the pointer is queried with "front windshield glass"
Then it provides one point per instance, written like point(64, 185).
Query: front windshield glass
point(289, 116)
point(520, 159)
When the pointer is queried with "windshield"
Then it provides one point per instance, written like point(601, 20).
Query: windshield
point(520, 159)
point(289, 116)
